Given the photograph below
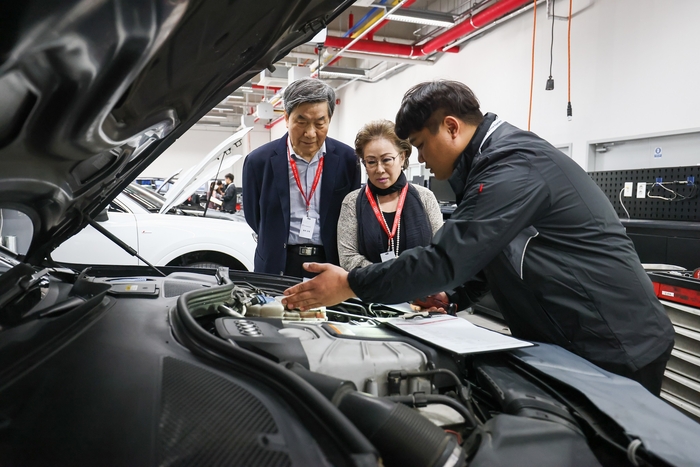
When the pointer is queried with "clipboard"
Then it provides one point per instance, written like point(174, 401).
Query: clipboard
point(456, 334)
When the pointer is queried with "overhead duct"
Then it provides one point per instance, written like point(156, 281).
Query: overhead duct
point(467, 26)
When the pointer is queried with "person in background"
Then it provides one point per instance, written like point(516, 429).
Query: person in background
point(211, 194)
point(293, 187)
point(389, 215)
point(230, 196)
point(532, 227)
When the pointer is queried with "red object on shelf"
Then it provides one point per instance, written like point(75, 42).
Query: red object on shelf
point(679, 295)
point(683, 288)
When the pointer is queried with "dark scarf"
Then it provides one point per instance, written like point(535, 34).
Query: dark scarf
point(458, 180)
point(415, 227)
point(397, 186)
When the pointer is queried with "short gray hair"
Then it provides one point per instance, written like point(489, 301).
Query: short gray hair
point(308, 90)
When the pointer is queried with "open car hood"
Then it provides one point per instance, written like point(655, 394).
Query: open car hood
point(207, 169)
point(91, 92)
point(168, 179)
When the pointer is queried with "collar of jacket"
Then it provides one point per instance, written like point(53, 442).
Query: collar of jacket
point(458, 180)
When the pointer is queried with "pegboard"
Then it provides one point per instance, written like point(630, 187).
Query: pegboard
point(612, 182)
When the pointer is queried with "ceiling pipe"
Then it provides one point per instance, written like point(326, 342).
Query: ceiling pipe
point(369, 29)
point(387, 58)
point(365, 32)
point(472, 24)
point(271, 88)
point(406, 4)
point(439, 42)
point(481, 30)
point(385, 48)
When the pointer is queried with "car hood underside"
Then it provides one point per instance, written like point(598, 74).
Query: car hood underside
point(91, 92)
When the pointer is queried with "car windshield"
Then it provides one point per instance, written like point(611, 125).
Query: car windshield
point(145, 197)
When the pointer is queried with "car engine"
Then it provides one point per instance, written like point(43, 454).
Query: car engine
point(445, 409)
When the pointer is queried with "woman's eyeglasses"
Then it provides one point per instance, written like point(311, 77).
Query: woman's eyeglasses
point(386, 161)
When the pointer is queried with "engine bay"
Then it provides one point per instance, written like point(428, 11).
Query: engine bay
point(487, 409)
point(416, 402)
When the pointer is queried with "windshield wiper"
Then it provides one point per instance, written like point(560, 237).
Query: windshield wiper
point(121, 244)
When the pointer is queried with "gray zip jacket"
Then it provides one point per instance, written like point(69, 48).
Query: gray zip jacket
point(533, 227)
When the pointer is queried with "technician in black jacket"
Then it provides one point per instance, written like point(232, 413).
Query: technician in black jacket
point(532, 226)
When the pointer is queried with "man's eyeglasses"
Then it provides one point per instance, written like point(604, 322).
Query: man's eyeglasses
point(386, 161)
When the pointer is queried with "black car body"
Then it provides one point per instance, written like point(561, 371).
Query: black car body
point(137, 366)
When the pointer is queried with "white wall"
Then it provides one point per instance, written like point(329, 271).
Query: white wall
point(634, 66)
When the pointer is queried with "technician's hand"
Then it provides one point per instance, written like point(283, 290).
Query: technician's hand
point(330, 287)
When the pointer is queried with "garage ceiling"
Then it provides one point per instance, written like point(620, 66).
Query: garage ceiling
point(386, 43)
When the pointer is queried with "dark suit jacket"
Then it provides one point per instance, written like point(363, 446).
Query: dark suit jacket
point(230, 198)
point(266, 199)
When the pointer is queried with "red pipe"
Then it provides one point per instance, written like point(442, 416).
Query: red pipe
point(467, 26)
point(351, 21)
point(271, 88)
point(477, 21)
point(388, 48)
point(370, 35)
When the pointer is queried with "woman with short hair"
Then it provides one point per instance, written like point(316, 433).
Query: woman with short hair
point(388, 215)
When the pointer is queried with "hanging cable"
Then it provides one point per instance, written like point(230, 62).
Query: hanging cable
point(569, 111)
point(532, 68)
point(623, 204)
point(550, 82)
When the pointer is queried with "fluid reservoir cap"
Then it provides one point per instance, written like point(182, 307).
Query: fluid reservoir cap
point(300, 333)
point(272, 309)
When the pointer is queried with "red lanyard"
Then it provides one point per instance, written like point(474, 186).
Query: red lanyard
point(295, 172)
point(380, 216)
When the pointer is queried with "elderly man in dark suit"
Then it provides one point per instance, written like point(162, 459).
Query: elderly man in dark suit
point(293, 187)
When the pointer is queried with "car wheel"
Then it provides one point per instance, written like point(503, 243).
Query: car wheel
point(204, 265)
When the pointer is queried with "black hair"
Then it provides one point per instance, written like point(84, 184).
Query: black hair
point(229, 176)
point(426, 104)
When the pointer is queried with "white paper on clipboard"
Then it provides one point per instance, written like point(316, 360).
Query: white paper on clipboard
point(456, 334)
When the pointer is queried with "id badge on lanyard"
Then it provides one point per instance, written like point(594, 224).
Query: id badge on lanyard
point(390, 253)
point(387, 255)
point(307, 227)
point(306, 230)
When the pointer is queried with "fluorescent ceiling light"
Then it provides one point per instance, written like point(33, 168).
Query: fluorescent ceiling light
point(429, 18)
point(221, 109)
point(218, 117)
point(235, 97)
point(245, 89)
point(340, 72)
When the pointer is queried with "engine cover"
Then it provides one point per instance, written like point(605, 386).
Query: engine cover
point(337, 349)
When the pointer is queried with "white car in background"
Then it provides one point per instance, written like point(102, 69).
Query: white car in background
point(165, 233)
point(173, 238)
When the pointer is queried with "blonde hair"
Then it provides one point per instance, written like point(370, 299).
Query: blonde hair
point(381, 129)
